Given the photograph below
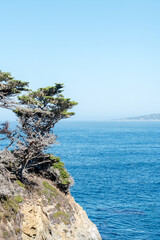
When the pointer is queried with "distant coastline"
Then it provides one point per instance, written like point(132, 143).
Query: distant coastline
point(127, 120)
point(151, 117)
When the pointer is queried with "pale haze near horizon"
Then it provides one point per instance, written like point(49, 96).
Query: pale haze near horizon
point(107, 53)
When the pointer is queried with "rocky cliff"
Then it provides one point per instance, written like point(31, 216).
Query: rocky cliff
point(39, 210)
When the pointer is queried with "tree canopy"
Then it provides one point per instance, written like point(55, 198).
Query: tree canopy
point(9, 88)
point(46, 105)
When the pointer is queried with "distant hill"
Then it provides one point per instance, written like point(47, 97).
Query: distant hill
point(150, 117)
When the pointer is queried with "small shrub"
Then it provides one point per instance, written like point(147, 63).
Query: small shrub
point(64, 175)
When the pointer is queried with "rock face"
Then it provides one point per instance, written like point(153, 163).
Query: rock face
point(40, 211)
point(39, 223)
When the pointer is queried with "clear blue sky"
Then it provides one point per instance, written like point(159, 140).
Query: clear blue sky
point(106, 52)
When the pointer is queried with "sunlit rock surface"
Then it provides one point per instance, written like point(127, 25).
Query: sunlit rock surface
point(40, 211)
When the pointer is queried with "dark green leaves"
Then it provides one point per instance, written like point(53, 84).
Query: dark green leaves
point(9, 87)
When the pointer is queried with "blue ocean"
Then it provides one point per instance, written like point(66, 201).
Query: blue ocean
point(116, 169)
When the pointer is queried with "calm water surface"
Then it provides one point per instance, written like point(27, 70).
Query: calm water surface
point(116, 169)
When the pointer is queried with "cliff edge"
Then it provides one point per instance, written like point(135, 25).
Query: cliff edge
point(39, 210)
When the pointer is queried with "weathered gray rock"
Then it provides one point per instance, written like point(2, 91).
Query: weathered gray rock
point(6, 187)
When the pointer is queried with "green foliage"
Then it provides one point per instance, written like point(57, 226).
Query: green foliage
point(48, 186)
point(47, 105)
point(49, 191)
point(10, 205)
point(9, 87)
point(64, 175)
point(63, 216)
point(20, 183)
point(18, 199)
point(59, 165)
point(57, 172)
point(55, 159)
